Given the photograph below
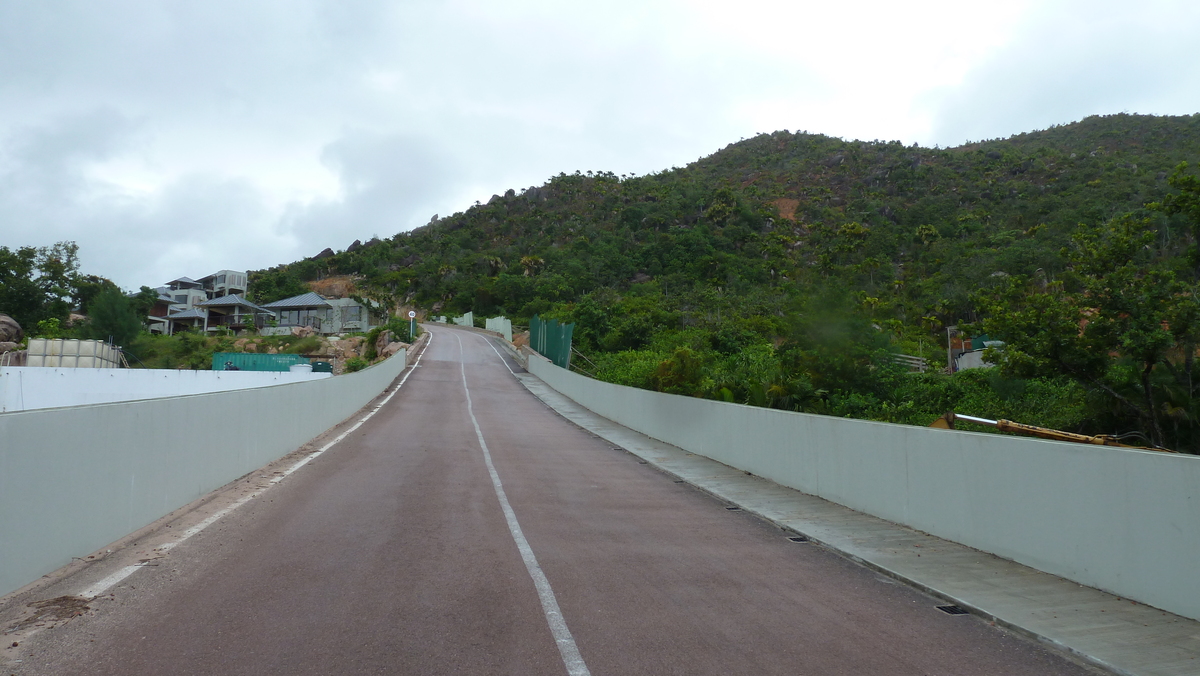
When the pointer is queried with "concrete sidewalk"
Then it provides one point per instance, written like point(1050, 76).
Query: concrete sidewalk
point(1116, 634)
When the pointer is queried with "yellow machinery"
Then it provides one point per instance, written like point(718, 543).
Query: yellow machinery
point(947, 421)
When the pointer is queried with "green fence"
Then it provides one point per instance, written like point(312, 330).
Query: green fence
point(551, 340)
point(248, 361)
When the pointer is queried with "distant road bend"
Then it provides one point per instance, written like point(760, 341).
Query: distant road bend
point(466, 528)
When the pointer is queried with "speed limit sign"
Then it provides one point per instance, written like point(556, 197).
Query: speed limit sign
point(412, 314)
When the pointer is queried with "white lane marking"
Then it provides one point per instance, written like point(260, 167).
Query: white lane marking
point(107, 583)
point(104, 585)
point(558, 625)
point(502, 359)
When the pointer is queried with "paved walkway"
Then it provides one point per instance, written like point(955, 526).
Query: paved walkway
point(1120, 635)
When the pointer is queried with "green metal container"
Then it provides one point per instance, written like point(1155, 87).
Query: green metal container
point(322, 367)
point(248, 361)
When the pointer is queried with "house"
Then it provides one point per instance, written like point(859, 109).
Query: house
point(224, 283)
point(325, 315)
point(157, 321)
point(185, 291)
point(233, 312)
point(186, 303)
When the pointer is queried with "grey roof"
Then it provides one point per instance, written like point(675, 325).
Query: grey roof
point(185, 280)
point(309, 299)
point(231, 300)
point(194, 313)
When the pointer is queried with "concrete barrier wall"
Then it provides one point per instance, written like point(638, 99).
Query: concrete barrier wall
point(75, 479)
point(25, 388)
point(1121, 520)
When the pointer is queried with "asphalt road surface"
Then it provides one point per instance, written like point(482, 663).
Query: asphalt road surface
point(468, 529)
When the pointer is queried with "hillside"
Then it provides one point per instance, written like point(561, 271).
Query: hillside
point(777, 270)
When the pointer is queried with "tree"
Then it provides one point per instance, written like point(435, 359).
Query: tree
point(1186, 202)
point(114, 318)
point(86, 289)
point(37, 283)
point(1113, 324)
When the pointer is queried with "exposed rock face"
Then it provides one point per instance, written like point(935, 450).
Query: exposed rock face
point(10, 330)
point(382, 342)
point(324, 254)
point(7, 346)
point(354, 246)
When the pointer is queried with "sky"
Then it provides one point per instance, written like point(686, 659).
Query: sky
point(176, 139)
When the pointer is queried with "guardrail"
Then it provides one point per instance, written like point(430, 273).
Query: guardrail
point(75, 479)
point(1125, 521)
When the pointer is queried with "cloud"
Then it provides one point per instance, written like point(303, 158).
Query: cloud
point(1072, 60)
point(233, 134)
point(389, 182)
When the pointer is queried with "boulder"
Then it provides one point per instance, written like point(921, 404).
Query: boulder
point(7, 346)
point(326, 253)
point(392, 348)
point(10, 330)
point(384, 339)
point(302, 331)
point(354, 246)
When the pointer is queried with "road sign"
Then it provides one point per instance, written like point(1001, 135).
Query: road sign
point(411, 314)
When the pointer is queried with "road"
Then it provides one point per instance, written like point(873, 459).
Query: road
point(468, 529)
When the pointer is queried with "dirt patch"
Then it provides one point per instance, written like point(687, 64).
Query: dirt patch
point(58, 609)
point(338, 286)
point(787, 208)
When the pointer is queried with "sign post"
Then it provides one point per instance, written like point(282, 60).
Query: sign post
point(412, 324)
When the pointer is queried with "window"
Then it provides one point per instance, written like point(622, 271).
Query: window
point(352, 313)
point(181, 298)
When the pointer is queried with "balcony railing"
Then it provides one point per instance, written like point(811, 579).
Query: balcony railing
point(314, 322)
point(258, 321)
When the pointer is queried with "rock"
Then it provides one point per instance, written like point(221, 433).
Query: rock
point(434, 219)
point(302, 331)
point(7, 346)
point(392, 349)
point(381, 343)
point(354, 246)
point(326, 253)
point(510, 193)
point(10, 330)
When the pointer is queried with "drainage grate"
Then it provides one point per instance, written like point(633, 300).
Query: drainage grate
point(797, 538)
point(680, 481)
point(952, 610)
point(734, 509)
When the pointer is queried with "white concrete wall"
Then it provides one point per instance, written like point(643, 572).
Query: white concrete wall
point(27, 388)
point(75, 479)
point(1121, 520)
point(501, 325)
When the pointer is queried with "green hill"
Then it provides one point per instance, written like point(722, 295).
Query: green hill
point(782, 270)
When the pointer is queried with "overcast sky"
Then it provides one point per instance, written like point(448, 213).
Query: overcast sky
point(179, 138)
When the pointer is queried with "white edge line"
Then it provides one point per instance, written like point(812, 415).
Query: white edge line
point(567, 648)
point(490, 344)
point(107, 583)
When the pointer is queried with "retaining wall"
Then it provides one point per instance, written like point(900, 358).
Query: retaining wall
point(23, 388)
point(1121, 520)
point(75, 479)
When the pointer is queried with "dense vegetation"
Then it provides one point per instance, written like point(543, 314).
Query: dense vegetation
point(786, 270)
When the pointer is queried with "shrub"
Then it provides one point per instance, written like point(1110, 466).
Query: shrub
point(355, 364)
